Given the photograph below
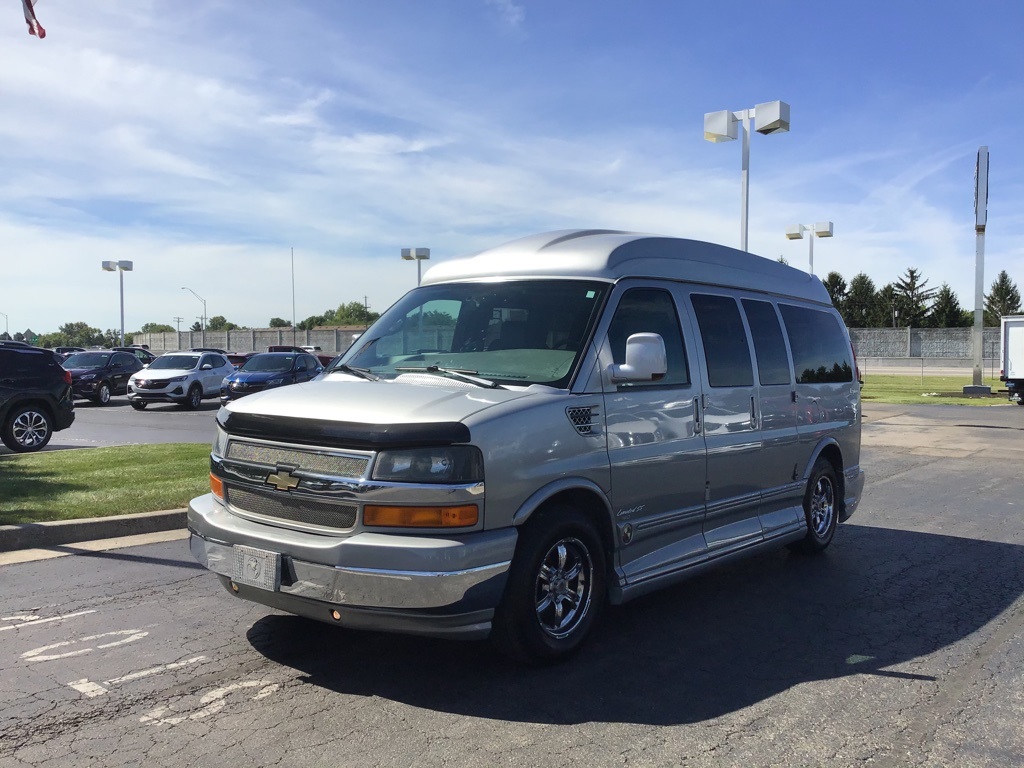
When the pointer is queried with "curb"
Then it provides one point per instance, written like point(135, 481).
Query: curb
point(38, 535)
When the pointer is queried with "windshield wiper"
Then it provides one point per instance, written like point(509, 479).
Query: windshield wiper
point(456, 373)
point(363, 373)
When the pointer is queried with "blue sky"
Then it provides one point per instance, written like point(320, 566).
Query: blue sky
point(203, 141)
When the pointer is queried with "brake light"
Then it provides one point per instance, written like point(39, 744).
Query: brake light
point(67, 377)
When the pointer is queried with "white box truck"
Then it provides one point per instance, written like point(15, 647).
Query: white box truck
point(1011, 356)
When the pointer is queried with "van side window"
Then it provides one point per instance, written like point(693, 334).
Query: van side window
point(650, 310)
point(769, 345)
point(725, 341)
point(820, 351)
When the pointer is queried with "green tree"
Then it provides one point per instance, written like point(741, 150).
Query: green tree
point(1003, 299)
point(858, 308)
point(196, 327)
point(836, 287)
point(156, 328)
point(946, 311)
point(78, 335)
point(914, 298)
point(889, 309)
point(277, 322)
point(220, 323)
point(354, 313)
point(782, 260)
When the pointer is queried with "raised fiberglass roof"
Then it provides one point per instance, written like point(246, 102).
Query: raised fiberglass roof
point(612, 255)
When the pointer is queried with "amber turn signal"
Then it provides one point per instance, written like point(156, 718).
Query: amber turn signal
point(217, 486)
point(420, 517)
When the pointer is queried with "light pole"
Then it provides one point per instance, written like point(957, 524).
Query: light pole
point(120, 267)
point(7, 326)
point(820, 229)
point(770, 117)
point(202, 324)
point(418, 255)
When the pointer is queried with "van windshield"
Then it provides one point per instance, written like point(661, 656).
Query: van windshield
point(514, 332)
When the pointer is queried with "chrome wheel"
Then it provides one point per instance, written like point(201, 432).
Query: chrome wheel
point(30, 430)
point(555, 589)
point(563, 587)
point(103, 394)
point(823, 506)
point(195, 397)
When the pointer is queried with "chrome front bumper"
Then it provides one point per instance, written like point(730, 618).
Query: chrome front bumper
point(439, 586)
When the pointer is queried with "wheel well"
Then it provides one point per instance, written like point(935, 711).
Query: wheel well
point(40, 404)
point(834, 456)
point(595, 510)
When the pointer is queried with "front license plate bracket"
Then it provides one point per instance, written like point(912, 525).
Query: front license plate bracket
point(259, 568)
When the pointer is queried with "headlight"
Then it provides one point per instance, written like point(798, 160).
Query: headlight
point(178, 378)
point(87, 377)
point(220, 442)
point(275, 382)
point(446, 464)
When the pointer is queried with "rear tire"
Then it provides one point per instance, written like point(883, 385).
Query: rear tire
point(28, 428)
point(821, 508)
point(556, 588)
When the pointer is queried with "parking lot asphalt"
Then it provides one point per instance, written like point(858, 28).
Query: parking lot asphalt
point(934, 430)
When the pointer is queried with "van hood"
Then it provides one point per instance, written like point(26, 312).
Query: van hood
point(341, 398)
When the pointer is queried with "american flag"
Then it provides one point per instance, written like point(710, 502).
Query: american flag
point(34, 27)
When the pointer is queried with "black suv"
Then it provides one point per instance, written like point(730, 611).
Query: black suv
point(98, 375)
point(35, 397)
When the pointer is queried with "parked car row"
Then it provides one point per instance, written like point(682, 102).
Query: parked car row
point(39, 386)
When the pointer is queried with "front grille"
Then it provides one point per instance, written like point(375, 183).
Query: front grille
point(291, 507)
point(150, 384)
point(331, 465)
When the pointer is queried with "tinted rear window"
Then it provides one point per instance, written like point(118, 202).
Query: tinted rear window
point(820, 351)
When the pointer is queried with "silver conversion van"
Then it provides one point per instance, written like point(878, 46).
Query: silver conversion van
point(568, 420)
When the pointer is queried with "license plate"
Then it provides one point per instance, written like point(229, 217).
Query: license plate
point(256, 568)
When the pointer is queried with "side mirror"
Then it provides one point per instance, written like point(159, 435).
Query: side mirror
point(206, 367)
point(645, 359)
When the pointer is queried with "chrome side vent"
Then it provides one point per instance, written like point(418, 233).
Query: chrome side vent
point(584, 419)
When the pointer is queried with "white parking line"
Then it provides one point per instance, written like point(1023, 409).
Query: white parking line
point(33, 621)
point(127, 635)
point(90, 689)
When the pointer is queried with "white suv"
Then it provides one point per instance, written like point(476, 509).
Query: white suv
point(184, 378)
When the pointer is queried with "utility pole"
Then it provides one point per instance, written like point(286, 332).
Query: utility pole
point(177, 322)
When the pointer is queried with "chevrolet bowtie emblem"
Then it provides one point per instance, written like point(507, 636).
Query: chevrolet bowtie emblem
point(283, 480)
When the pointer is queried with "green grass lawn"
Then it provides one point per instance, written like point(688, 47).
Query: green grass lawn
point(64, 485)
point(903, 390)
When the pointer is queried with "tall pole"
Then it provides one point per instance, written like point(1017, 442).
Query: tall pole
point(7, 326)
point(745, 179)
point(293, 296)
point(980, 220)
point(810, 250)
point(120, 274)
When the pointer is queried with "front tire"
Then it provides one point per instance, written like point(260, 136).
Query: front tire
point(102, 394)
point(556, 588)
point(139, 405)
point(821, 508)
point(195, 398)
point(27, 429)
